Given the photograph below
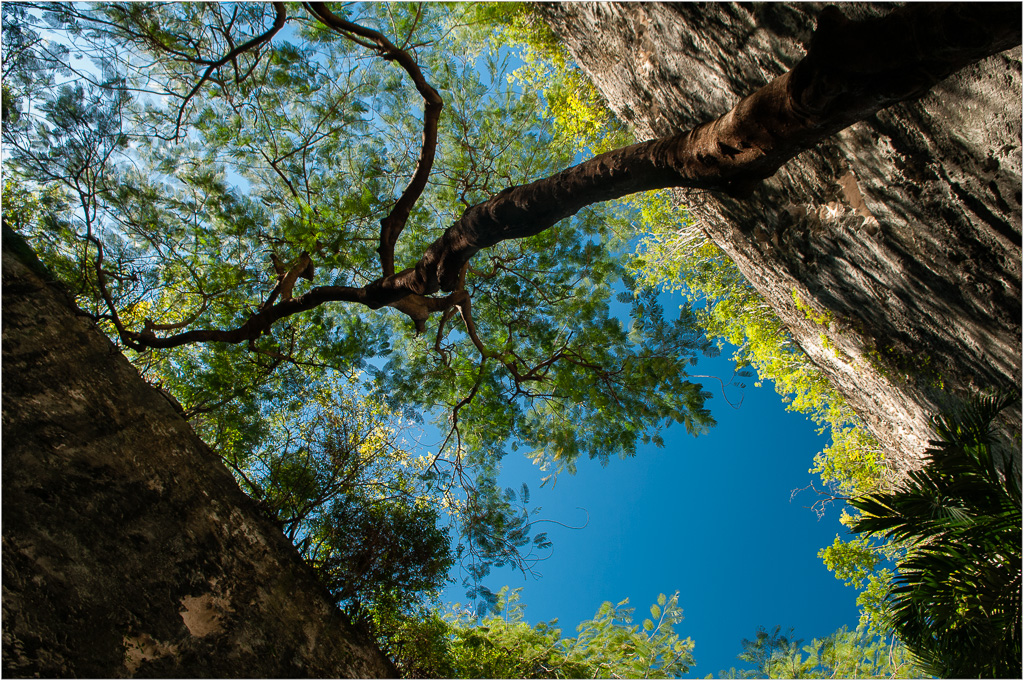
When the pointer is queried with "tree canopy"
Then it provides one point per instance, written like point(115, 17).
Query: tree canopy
point(503, 645)
point(311, 223)
point(214, 158)
point(193, 169)
point(216, 155)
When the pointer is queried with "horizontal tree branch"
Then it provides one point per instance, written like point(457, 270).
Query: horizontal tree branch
point(852, 70)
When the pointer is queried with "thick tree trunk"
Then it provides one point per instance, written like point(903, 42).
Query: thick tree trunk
point(128, 550)
point(906, 226)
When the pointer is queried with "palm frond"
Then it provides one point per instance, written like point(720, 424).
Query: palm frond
point(956, 602)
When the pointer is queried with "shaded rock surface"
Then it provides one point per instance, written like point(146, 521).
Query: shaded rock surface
point(892, 251)
point(128, 549)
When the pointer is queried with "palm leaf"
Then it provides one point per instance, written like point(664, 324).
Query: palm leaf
point(956, 602)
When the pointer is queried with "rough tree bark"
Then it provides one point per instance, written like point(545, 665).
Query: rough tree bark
point(906, 227)
point(128, 550)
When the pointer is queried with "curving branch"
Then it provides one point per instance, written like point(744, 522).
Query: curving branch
point(392, 225)
point(852, 70)
point(280, 17)
point(286, 278)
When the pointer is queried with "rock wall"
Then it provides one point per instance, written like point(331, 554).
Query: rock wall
point(128, 549)
point(893, 251)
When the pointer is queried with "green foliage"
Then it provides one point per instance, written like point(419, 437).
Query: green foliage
point(860, 655)
point(28, 72)
point(379, 553)
point(496, 529)
point(865, 564)
point(774, 654)
point(845, 654)
point(23, 211)
point(956, 599)
point(674, 254)
point(194, 179)
point(418, 642)
point(503, 645)
point(581, 120)
point(325, 463)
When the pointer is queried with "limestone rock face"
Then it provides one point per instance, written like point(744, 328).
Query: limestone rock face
point(128, 549)
point(902, 233)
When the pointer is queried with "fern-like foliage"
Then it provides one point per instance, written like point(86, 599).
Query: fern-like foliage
point(956, 603)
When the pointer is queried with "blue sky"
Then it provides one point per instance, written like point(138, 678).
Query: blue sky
point(710, 517)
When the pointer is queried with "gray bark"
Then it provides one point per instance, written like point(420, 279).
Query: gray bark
point(906, 226)
point(128, 549)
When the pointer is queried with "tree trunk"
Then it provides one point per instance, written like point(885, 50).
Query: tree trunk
point(906, 227)
point(128, 549)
